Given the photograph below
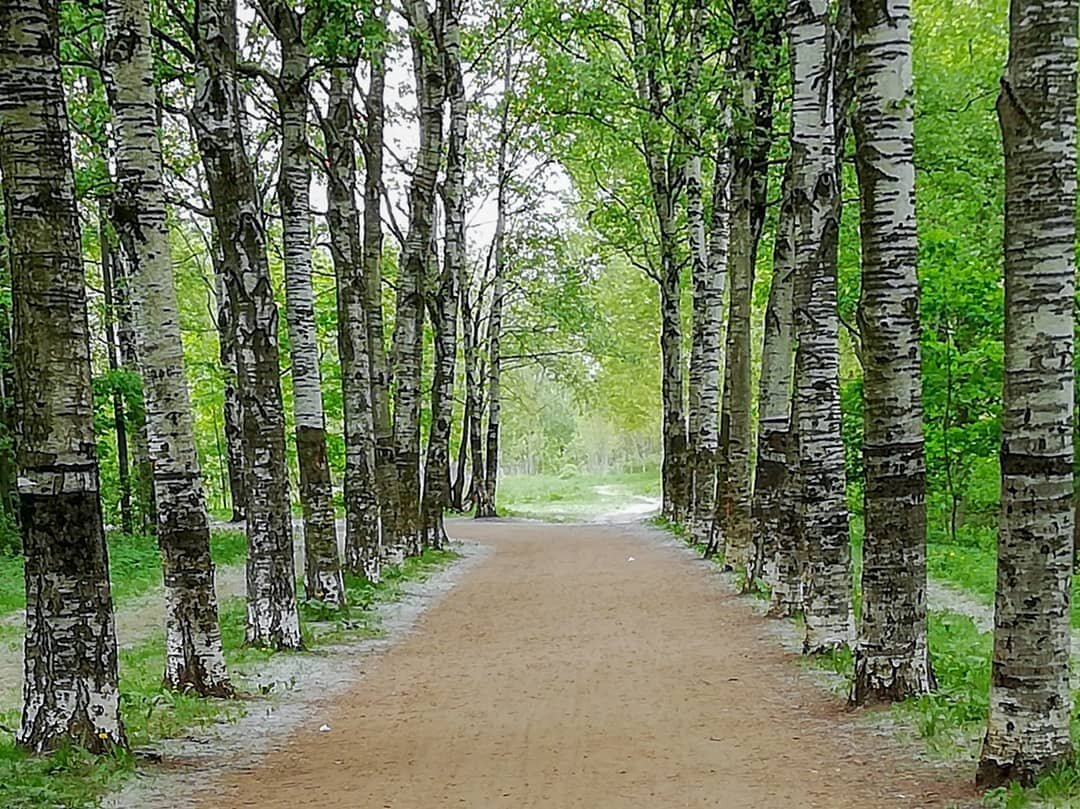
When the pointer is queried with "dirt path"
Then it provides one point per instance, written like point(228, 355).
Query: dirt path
point(592, 667)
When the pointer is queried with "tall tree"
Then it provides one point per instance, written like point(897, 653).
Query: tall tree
point(734, 501)
point(70, 688)
point(815, 190)
point(473, 426)
point(443, 303)
point(1028, 730)
point(272, 615)
point(775, 541)
point(891, 657)
point(362, 545)
point(193, 653)
point(322, 579)
point(708, 259)
point(665, 171)
point(231, 408)
point(110, 256)
point(425, 36)
point(484, 495)
point(373, 146)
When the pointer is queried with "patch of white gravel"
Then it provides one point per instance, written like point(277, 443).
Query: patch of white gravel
point(294, 690)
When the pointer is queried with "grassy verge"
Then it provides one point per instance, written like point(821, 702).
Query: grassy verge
point(134, 566)
point(72, 779)
point(574, 495)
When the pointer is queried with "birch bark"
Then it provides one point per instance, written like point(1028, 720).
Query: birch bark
point(707, 277)
point(373, 145)
point(444, 303)
point(193, 652)
point(425, 35)
point(322, 575)
point(1028, 730)
point(773, 513)
point(822, 504)
point(363, 552)
point(891, 657)
point(70, 690)
point(272, 615)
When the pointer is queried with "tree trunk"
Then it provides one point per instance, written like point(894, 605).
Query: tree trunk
point(9, 476)
point(822, 505)
point(322, 574)
point(362, 548)
point(272, 616)
point(891, 657)
point(664, 170)
point(457, 490)
point(734, 502)
point(708, 263)
point(444, 304)
point(231, 410)
point(70, 689)
point(1028, 731)
point(425, 36)
point(108, 247)
point(385, 467)
point(774, 528)
point(474, 394)
point(193, 653)
point(706, 483)
point(485, 496)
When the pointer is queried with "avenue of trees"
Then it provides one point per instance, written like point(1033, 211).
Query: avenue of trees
point(761, 242)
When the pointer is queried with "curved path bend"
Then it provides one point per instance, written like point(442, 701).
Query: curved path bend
point(588, 667)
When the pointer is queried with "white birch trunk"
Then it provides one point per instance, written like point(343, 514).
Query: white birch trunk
point(363, 552)
point(773, 512)
point(272, 616)
point(424, 36)
point(823, 520)
point(891, 657)
point(444, 304)
point(322, 575)
point(1028, 730)
point(193, 652)
point(70, 689)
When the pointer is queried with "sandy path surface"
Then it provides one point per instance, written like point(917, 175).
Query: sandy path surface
point(560, 673)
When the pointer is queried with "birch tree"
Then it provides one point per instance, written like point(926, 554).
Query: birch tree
point(484, 491)
point(891, 656)
point(822, 505)
point(665, 171)
point(373, 147)
point(362, 540)
point(193, 652)
point(1028, 729)
point(232, 417)
point(708, 260)
point(425, 37)
point(322, 580)
point(272, 616)
point(70, 688)
point(774, 526)
point(733, 504)
point(444, 301)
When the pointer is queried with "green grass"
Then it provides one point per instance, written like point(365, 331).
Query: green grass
point(134, 566)
point(73, 779)
point(573, 495)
